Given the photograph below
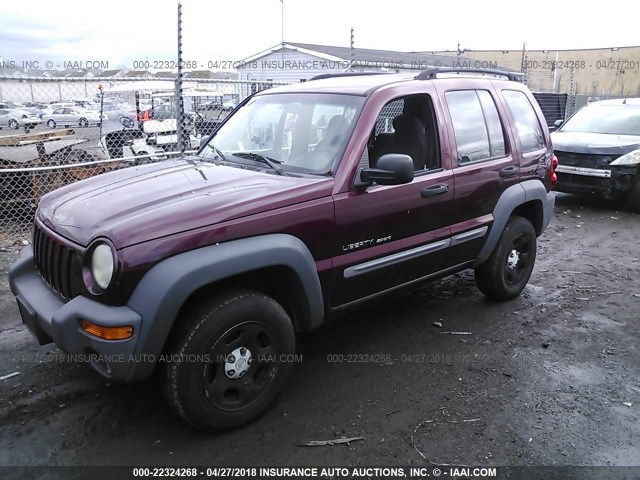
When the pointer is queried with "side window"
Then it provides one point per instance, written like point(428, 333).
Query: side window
point(527, 124)
point(406, 126)
point(384, 122)
point(476, 124)
point(494, 125)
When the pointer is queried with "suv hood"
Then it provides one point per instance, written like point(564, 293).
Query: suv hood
point(138, 204)
point(594, 143)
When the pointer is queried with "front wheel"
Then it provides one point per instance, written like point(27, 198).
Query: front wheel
point(14, 125)
point(83, 122)
point(228, 359)
point(504, 275)
point(51, 124)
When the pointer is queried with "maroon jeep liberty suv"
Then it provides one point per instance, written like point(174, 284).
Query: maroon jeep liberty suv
point(307, 199)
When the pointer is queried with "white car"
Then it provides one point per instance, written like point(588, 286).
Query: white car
point(71, 117)
point(15, 118)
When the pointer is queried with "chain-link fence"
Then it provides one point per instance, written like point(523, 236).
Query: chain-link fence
point(57, 131)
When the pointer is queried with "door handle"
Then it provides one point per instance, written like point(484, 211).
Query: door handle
point(509, 172)
point(437, 189)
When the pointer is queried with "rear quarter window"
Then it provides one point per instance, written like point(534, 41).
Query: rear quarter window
point(527, 125)
point(476, 125)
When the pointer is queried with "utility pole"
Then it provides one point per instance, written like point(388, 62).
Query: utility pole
point(352, 53)
point(282, 30)
point(523, 64)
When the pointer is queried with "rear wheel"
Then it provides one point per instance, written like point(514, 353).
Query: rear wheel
point(634, 194)
point(228, 359)
point(83, 122)
point(504, 275)
point(14, 125)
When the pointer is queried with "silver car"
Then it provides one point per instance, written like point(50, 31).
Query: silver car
point(71, 117)
point(15, 118)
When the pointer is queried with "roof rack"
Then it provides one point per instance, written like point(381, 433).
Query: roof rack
point(345, 74)
point(430, 73)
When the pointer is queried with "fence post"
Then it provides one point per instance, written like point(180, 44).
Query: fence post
point(179, 98)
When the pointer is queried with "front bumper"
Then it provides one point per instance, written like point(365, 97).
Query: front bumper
point(49, 319)
point(606, 182)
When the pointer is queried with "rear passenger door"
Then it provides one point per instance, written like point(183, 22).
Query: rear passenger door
point(485, 164)
point(529, 134)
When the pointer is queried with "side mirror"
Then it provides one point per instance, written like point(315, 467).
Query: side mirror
point(558, 123)
point(391, 169)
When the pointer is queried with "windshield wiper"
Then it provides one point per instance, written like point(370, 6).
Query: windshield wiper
point(219, 153)
point(271, 162)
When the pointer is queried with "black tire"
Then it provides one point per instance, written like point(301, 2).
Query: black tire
point(236, 325)
point(634, 194)
point(504, 275)
point(13, 124)
point(51, 123)
point(83, 123)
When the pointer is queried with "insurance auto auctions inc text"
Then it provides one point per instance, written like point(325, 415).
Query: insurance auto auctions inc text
point(353, 472)
point(390, 65)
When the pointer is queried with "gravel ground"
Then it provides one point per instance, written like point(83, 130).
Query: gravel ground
point(551, 378)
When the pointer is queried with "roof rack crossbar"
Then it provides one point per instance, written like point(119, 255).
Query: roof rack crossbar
point(430, 73)
point(345, 74)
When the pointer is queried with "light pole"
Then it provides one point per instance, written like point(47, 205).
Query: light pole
point(282, 31)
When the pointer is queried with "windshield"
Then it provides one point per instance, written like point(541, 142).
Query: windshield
point(612, 119)
point(301, 133)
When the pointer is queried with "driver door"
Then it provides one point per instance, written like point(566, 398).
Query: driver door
point(388, 236)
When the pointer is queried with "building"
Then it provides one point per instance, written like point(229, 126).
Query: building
point(139, 74)
point(76, 73)
point(210, 74)
point(594, 72)
point(111, 74)
point(294, 62)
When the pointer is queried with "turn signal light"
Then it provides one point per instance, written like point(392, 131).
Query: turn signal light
point(107, 333)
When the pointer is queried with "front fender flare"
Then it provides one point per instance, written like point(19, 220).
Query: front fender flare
point(164, 289)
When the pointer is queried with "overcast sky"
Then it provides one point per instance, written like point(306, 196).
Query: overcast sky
point(121, 31)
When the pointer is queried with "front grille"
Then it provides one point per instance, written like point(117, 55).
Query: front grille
point(585, 160)
point(55, 262)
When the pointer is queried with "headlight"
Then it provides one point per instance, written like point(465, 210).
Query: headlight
point(102, 265)
point(631, 158)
